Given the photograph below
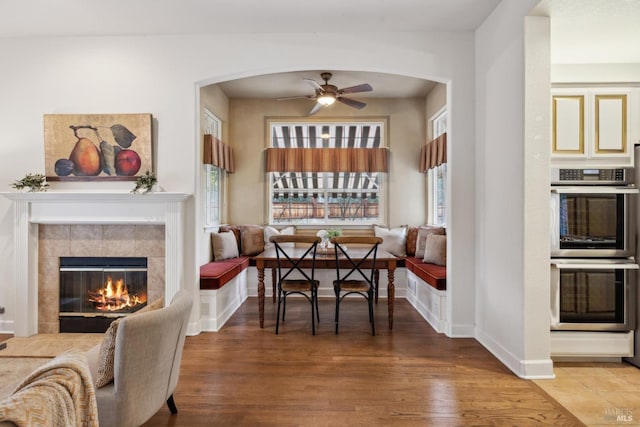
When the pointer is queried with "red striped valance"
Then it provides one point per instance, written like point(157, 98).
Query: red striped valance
point(327, 160)
point(217, 153)
point(433, 153)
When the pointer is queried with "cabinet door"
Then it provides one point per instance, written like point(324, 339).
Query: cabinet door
point(610, 121)
point(568, 124)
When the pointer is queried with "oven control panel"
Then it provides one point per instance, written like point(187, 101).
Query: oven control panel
point(606, 176)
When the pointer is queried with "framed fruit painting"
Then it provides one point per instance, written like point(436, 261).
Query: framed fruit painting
point(97, 147)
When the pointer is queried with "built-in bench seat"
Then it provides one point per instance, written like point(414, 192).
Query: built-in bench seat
point(216, 274)
point(434, 275)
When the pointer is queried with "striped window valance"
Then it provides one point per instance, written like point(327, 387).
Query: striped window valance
point(326, 160)
point(433, 153)
point(217, 153)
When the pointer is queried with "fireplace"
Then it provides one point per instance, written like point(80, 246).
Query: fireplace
point(94, 291)
point(91, 223)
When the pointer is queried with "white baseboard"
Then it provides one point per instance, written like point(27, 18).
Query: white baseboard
point(527, 369)
point(7, 327)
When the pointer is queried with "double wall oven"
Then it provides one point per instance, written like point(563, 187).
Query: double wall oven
point(593, 270)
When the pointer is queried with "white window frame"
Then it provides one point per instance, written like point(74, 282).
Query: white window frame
point(437, 177)
point(213, 176)
point(325, 188)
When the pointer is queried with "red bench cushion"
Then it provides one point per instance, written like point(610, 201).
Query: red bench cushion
point(435, 275)
point(216, 274)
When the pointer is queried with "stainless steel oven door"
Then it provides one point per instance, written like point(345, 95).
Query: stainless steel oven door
point(591, 221)
point(593, 294)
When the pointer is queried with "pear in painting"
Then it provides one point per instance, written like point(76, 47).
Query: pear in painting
point(86, 158)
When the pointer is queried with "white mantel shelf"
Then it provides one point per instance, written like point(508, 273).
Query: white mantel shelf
point(95, 196)
point(106, 207)
point(96, 207)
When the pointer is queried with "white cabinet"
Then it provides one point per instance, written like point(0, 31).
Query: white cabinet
point(593, 126)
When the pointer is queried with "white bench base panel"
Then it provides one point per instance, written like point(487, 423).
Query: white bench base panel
point(428, 301)
point(218, 305)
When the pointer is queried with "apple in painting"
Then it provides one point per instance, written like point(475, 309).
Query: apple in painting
point(127, 163)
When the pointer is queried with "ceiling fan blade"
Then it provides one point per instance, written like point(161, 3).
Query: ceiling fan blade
point(296, 97)
point(313, 83)
point(365, 87)
point(352, 102)
point(315, 108)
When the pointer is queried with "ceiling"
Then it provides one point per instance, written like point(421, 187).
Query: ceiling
point(125, 17)
point(593, 31)
point(144, 17)
point(582, 31)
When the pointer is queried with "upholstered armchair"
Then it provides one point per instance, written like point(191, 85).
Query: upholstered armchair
point(146, 364)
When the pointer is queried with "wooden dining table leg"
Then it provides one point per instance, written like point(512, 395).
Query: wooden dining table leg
point(261, 293)
point(391, 292)
point(273, 283)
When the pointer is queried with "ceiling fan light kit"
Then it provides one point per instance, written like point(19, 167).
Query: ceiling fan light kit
point(326, 99)
point(327, 94)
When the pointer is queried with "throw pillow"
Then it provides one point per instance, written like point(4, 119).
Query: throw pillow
point(107, 355)
point(155, 305)
point(224, 245)
point(421, 241)
point(252, 239)
point(394, 240)
point(412, 239)
point(108, 346)
point(236, 232)
point(435, 251)
point(271, 231)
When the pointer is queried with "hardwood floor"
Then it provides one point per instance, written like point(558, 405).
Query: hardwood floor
point(3, 338)
point(411, 376)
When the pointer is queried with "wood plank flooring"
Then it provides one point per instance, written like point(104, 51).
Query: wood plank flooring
point(411, 376)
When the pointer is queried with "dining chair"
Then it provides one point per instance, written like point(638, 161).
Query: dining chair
point(353, 279)
point(291, 253)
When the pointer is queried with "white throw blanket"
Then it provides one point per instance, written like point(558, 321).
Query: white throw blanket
point(58, 393)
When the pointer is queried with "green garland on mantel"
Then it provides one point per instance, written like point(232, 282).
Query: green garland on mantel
point(145, 183)
point(33, 181)
point(37, 182)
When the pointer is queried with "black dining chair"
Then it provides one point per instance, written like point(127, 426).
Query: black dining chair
point(291, 253)
point(353, 279)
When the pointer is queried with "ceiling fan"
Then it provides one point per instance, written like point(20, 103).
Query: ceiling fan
point(327, 94)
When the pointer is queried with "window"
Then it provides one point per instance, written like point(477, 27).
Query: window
point(326, 197)
point(437, 177)
point(213, 175)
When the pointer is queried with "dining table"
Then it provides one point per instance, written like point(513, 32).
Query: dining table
point(326, 259)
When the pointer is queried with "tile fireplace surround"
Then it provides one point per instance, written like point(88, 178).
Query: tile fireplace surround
point(93, 240)
point(91, 224)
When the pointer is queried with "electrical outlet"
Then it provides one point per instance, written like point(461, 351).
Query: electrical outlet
point(1, 310)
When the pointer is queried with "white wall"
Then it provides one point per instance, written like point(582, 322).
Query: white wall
point(512, 254)
point(536, 189)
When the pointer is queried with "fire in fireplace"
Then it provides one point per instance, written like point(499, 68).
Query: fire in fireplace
point(114, 296)
point(94, 291)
